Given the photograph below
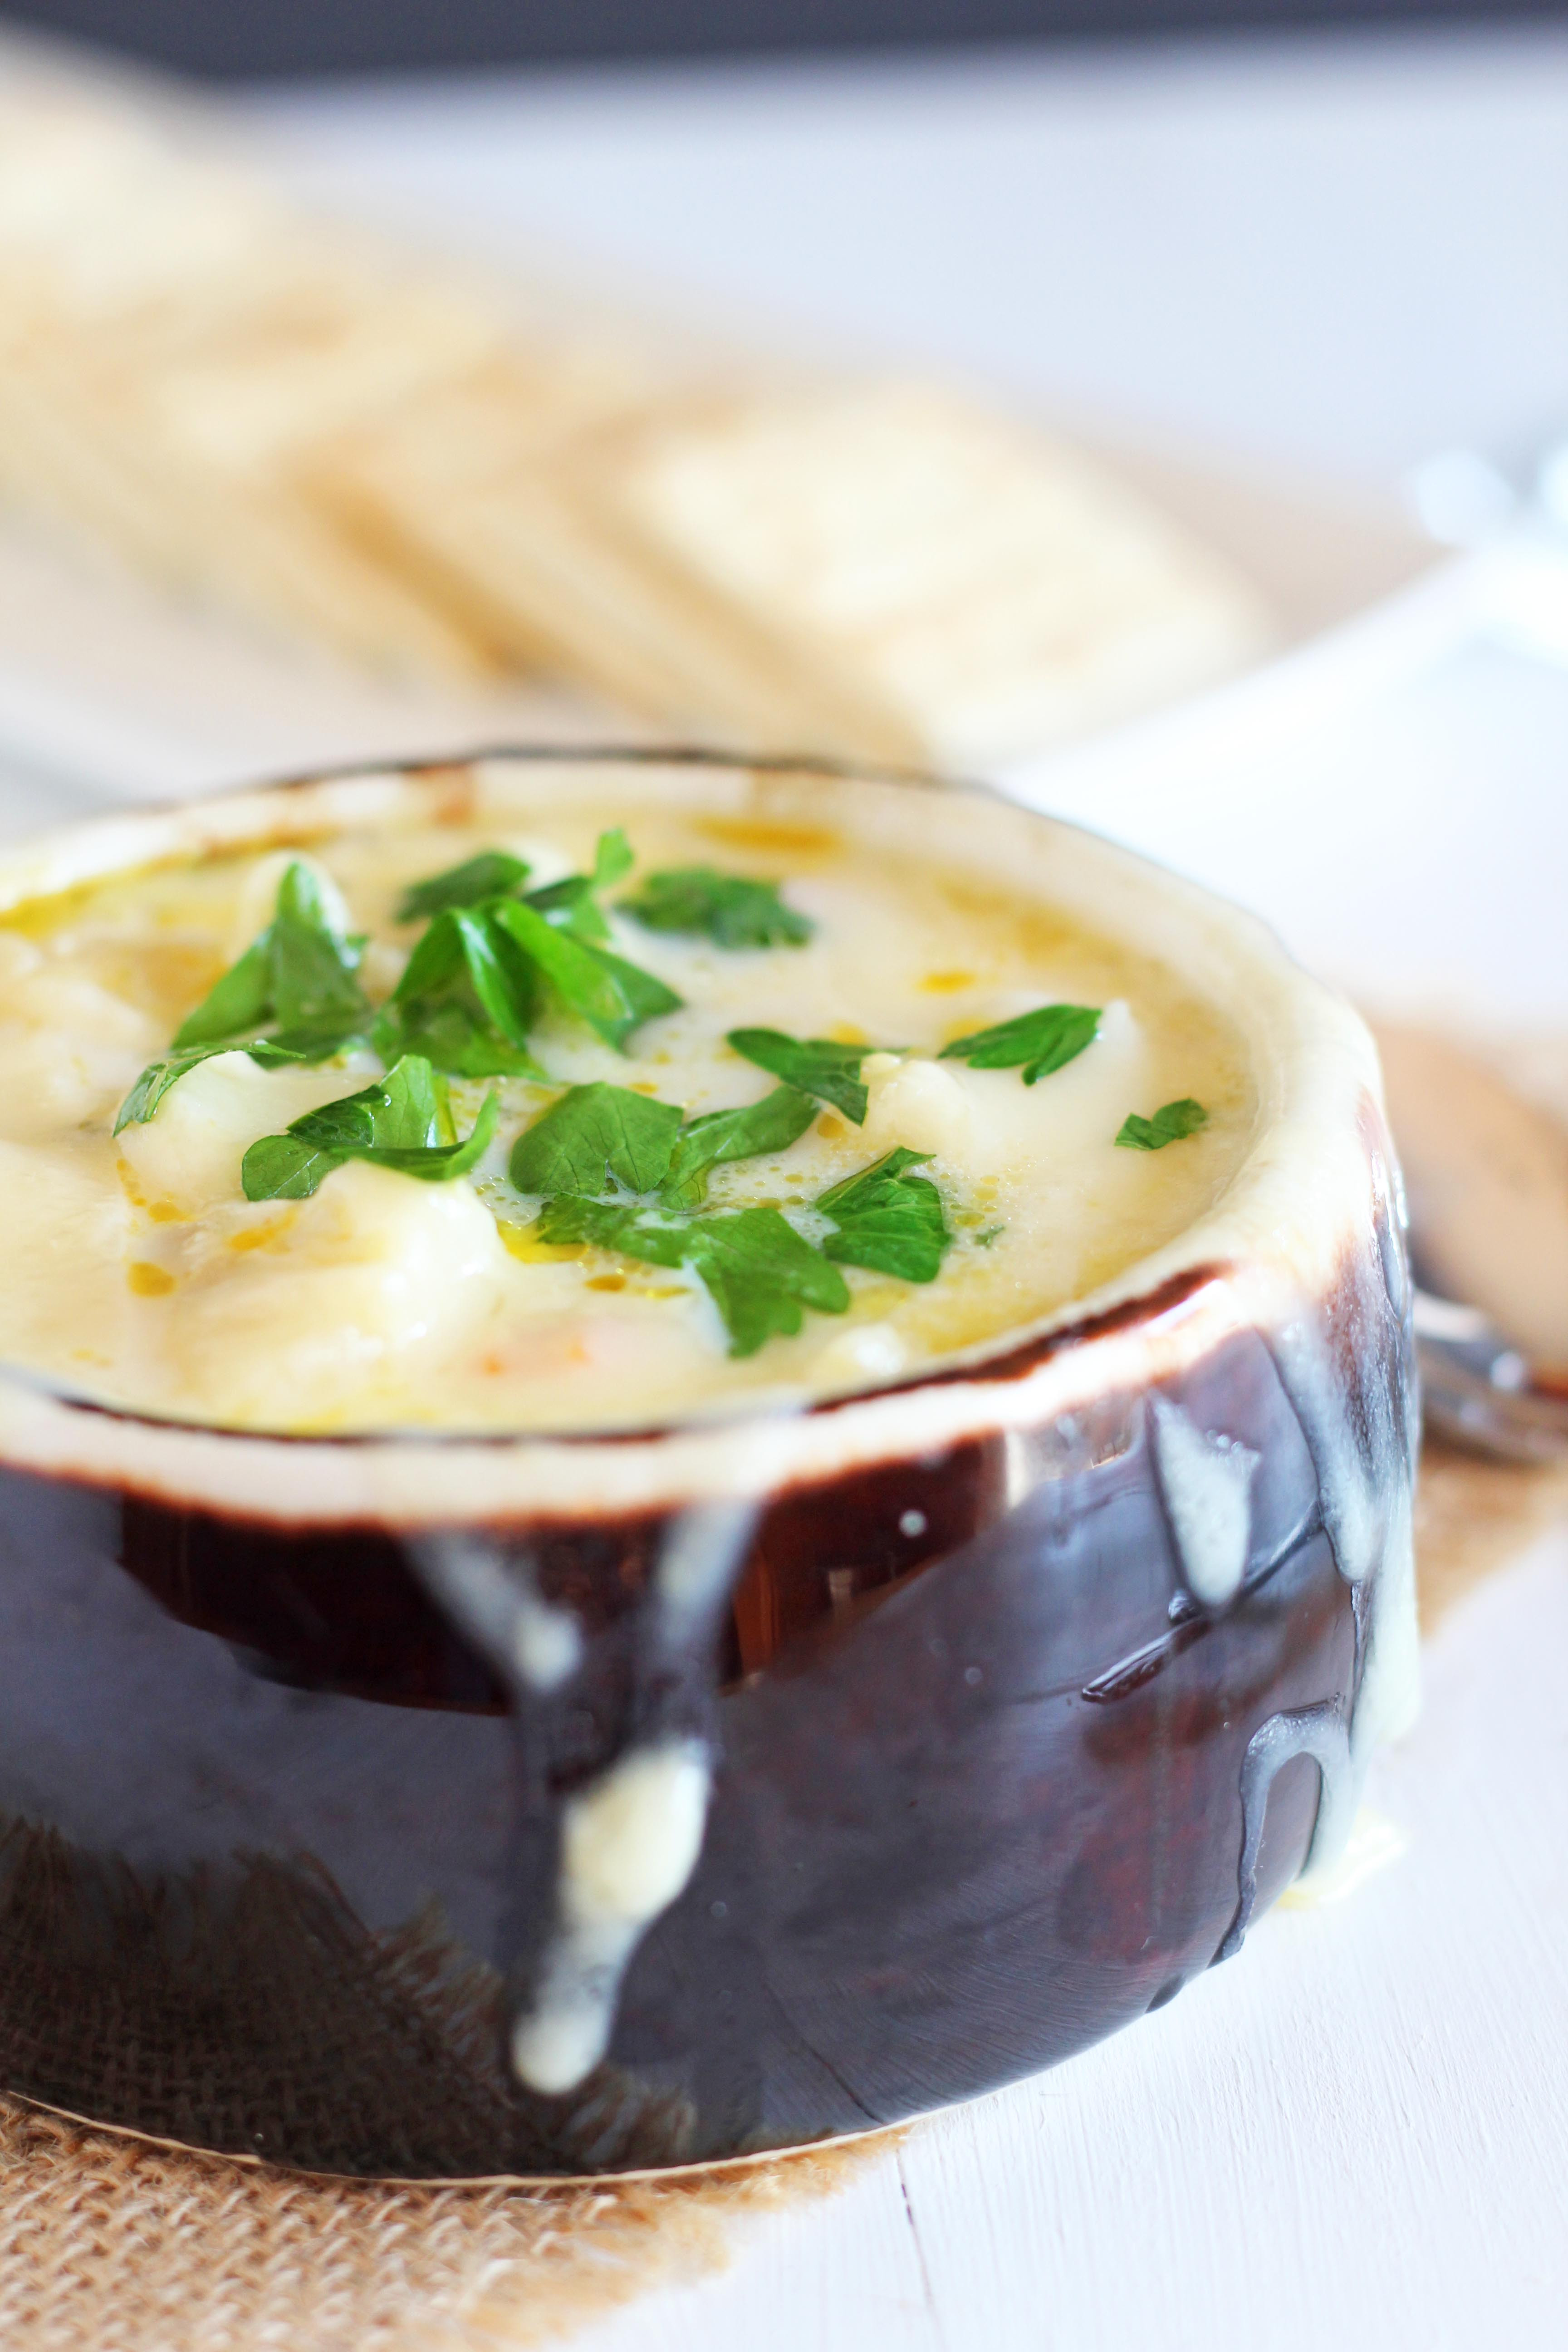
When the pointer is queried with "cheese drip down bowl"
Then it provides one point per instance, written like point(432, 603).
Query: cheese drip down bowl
point(752, 1740)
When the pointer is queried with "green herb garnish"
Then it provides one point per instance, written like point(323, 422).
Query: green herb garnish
point(466, 1000)
point(402, 1122)
point(299, 981)
point(1042, 1040)
point(592, 1136)
point(293, 996)
point(1170, 1124)
point(492, 873)
point(888, 1220)
point(759, 1272)
point(811, 1066)
point(725, 908)
point(613, 858)
point(497, 873)
point(761, 1275)
point(612, 996)
point(158, 1077)
point(571, 904)
point(720, 1136)
point(598, 1134)
point(479, 980)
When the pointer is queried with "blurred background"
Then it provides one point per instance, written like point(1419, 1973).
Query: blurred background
point(405, 463)
point(294, 36)
point(574, 369)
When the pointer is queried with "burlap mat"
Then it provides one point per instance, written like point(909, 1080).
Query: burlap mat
point(108, 2244)
point(1472, 1516)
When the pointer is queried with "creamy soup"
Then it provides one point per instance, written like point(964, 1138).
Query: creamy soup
point(525, 1226)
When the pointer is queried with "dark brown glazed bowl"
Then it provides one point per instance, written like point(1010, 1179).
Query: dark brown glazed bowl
point(823, 1769)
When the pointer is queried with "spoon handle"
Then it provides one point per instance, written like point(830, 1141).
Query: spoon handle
point(1475, 1391)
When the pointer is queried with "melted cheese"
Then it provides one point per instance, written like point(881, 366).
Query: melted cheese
point(365, 1290)
point(629, 1842)
point(387, 1302)
point(189, 1153)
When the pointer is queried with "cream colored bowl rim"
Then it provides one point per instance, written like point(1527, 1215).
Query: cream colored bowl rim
point(1301, 1202)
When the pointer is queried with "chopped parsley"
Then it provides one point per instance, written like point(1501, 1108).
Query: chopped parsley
point(158, 1077)
point(811, 1066)
point(761, 1273)
point(718, 1137)
point(888, 1220)
point(299, 979)
point(596, 1135)
point(489, 963)
point(1171, 1123)
point(493, 873)
point(758, 1272)
point(592, 1136)
point(614, 1167)
point(497, 873)
point(611, 995)
point(1040, 1041)
point(402, 1122)
point(466, 1002)
point(729, 909)
point(293, 996)
point(571, 904)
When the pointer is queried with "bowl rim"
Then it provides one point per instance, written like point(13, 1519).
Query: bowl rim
point(1246, 1264)
point(692, 2170)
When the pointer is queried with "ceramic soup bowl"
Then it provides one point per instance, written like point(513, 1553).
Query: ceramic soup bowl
point(440, 1805)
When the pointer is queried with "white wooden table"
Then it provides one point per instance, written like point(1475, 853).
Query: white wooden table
point(1357, 2134)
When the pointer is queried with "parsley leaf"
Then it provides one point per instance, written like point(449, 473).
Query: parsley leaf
point(158, 1077)
point(571, 904)
point(1170, 1124)
point(813, 1065)
point(597, 1133)
point(478, 980)
point(761, 1275)
point(758, 1272)
point(238, 1004)
point(1043, 1041)
point(888, 1220)
point(299, 979)
point(492, 873)
point(771, 1125)
point(402, 1121)
point(465, 1001)
point(497, 873)
point(592, 1134)
point(613, 858)
point(727, 908)
point(612, 996)
point(646, 996)
point(293, 996)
